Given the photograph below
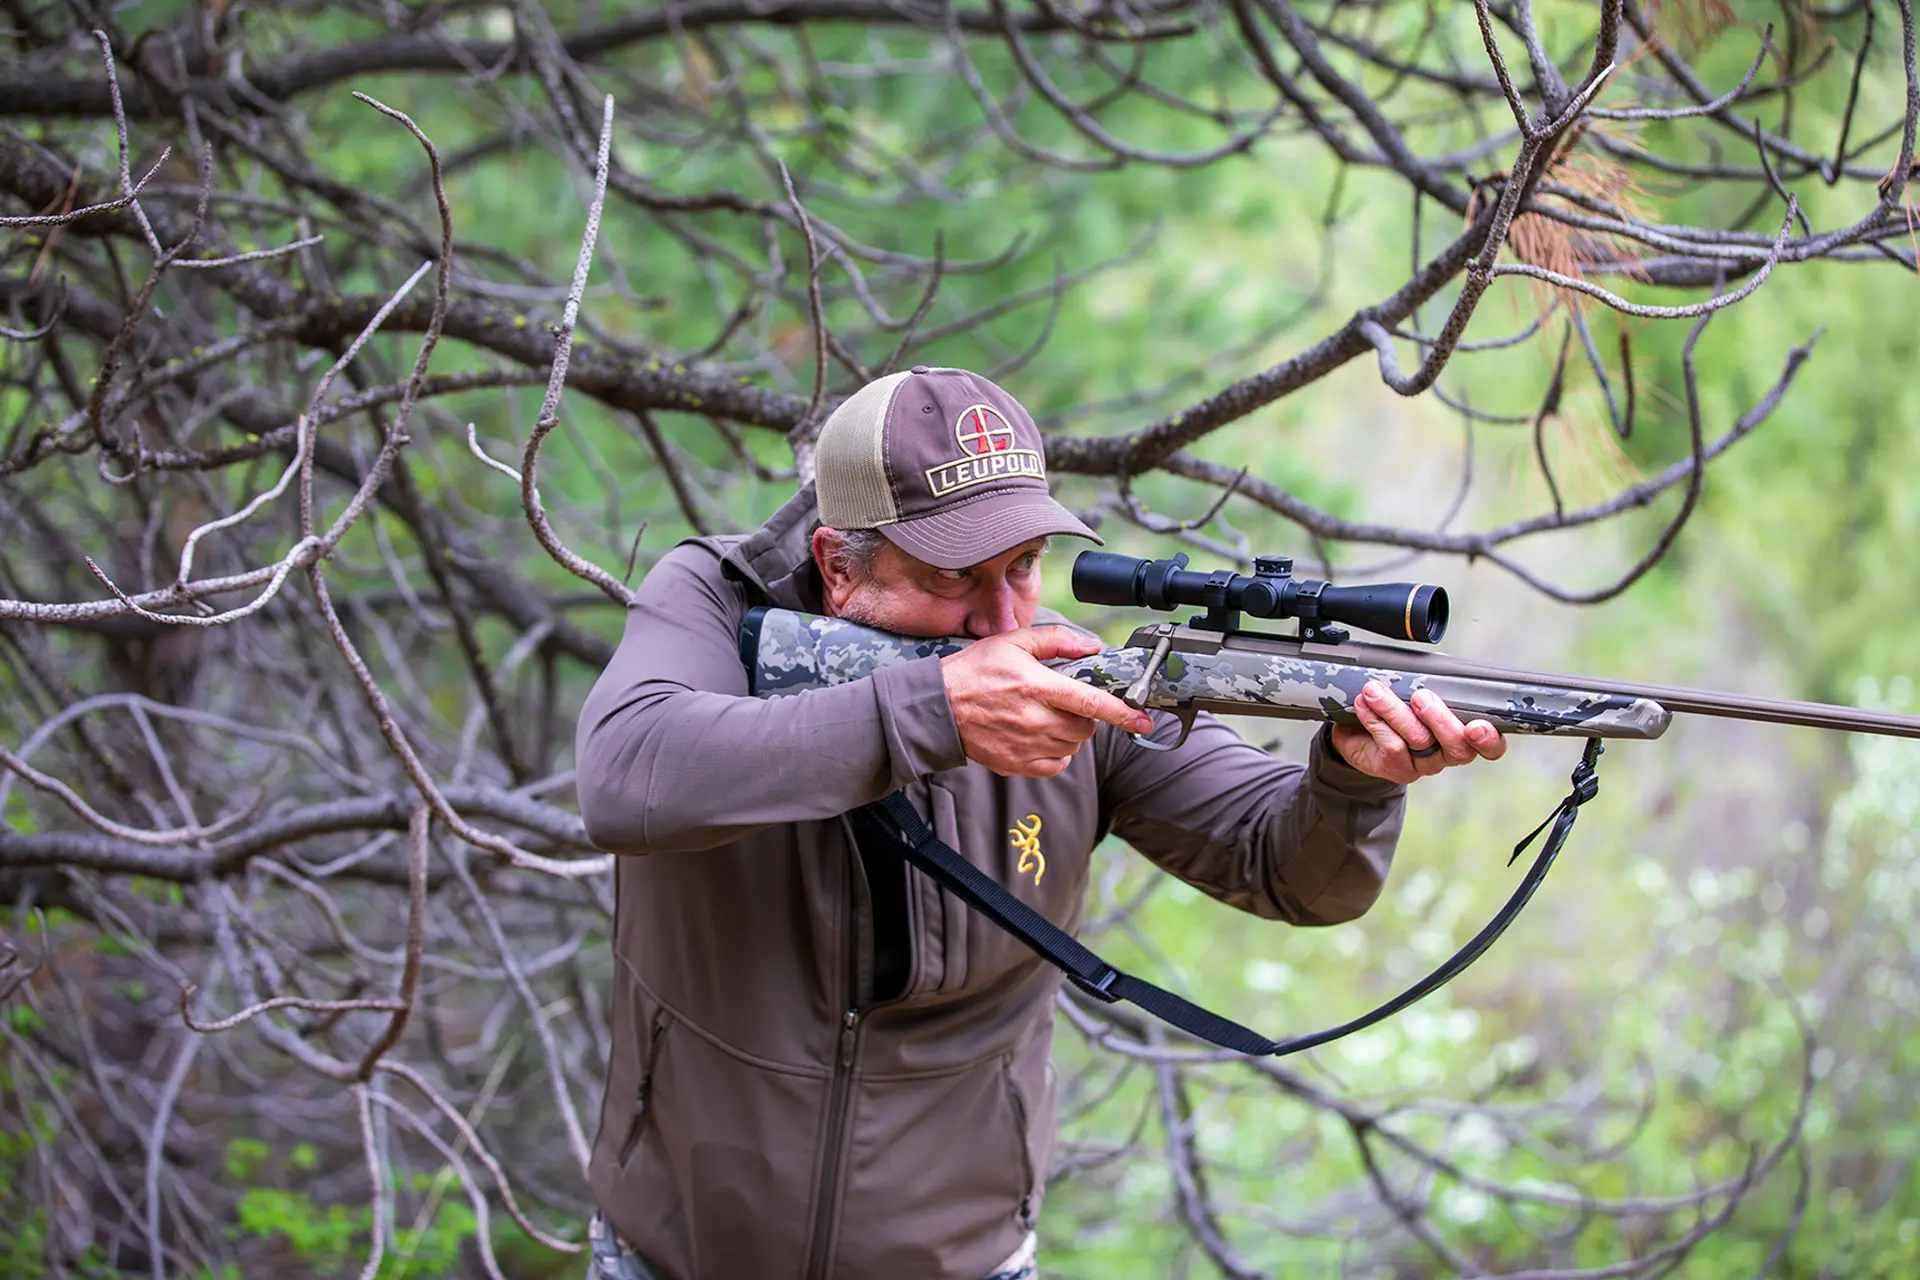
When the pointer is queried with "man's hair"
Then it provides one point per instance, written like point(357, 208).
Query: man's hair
point(858, 547)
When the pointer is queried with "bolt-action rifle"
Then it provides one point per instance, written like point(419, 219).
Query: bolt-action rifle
point(1211, 662)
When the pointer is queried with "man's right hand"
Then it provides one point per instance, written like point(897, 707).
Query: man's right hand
point(1017, 717)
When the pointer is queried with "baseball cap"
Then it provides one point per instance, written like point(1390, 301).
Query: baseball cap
point(942, 462)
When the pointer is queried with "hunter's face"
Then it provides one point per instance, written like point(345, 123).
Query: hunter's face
point(912, 598)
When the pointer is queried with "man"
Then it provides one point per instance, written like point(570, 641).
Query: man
point(823, 1064)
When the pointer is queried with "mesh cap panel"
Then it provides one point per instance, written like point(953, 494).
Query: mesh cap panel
point(849, 461)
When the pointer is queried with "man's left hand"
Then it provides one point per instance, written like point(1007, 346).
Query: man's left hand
point(1390, 731)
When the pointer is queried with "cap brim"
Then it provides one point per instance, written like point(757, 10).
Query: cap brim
point(973, 532)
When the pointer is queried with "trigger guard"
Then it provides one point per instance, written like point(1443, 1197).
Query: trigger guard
point(1185, 717)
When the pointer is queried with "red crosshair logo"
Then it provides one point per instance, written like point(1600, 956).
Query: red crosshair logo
point(981, 429)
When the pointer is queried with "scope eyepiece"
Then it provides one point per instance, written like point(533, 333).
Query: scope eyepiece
point(1402, 610)
point(1101, 577)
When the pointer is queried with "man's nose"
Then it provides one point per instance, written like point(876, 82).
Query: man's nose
point(992, 613)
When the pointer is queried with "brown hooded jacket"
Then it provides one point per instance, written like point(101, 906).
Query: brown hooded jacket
point(764, 1115)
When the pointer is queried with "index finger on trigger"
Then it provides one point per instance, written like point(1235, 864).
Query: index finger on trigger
point(1085, 700)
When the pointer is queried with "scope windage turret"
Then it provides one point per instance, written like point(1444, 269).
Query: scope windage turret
point(1402, 610)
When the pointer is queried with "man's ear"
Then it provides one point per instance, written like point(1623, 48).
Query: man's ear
point(835, 583)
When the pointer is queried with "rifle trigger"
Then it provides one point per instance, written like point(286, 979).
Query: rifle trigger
point(1185, 716)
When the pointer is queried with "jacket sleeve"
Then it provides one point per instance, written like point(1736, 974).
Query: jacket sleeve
point(673, 754)
point(1309, 844)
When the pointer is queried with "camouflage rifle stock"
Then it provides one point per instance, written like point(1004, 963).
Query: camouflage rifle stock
point(1183, 670)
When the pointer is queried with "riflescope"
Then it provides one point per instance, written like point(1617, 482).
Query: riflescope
point(1400, 610)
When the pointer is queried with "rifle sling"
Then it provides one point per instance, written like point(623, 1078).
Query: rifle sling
point(893, 821)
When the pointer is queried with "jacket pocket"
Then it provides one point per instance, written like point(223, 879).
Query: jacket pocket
point(1028, 1212)
point(719, 1178)
point(937, 1173)
point(643, 1092)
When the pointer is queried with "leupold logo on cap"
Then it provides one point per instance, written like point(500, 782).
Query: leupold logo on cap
point(987, 453)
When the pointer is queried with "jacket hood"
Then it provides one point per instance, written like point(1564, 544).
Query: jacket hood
point(776, 560)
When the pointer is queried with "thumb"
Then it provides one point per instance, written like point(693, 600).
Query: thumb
point(1043, 643)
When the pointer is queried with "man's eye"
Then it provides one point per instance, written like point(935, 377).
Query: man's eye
point(951, 575)
point(1025, 563)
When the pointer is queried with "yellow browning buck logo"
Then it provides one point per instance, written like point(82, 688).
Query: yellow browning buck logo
point(1026, 840)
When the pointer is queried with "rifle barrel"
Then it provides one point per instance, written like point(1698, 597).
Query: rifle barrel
point(1704, 702)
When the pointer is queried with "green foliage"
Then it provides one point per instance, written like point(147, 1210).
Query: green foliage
point(323, 1238)
point(433, 1250)
point(23, 1246)
point(54, 918)
point(434, 1223)
point(333, 1239)
point(112, 944)
point(245, 1156)
point(23, 1243)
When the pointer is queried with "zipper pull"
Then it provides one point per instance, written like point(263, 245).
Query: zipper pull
point(847, 1026)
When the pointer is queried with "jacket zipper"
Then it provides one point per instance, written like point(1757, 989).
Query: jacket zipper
point(643, 1095)
point(840, 1089)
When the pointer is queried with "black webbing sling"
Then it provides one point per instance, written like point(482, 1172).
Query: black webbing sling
point(893, 821)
